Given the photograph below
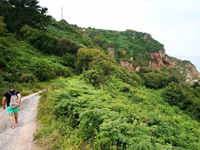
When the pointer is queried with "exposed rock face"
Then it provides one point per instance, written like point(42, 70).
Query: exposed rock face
point(191, 72)
point(124, 52)
point(134, 36)
point(161, 60)
point(111, 52)
point(127, 65)
point(146, 36)
point(137, 68)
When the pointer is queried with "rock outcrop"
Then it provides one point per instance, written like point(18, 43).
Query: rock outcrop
point(111, 52)
point(161, 60)
point(191, 72)
point(129, 65)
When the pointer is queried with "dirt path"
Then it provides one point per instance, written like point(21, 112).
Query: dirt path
point(20, 138)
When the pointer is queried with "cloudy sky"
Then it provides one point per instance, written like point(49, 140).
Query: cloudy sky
point(174, 23)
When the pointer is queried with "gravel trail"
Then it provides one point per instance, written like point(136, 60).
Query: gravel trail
point(20, 138)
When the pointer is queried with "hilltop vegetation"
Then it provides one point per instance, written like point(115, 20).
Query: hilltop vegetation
point(127, 43)
point(91, 102)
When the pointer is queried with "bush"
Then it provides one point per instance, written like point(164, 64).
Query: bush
point(45, 70)
point(44, 42)
point(152, 80)
point(64, 30)
point(100, 68)
point(48, 43)
point(156, 79)
point(176, 95)
point(27, 78)
point(21, 62)
point(66, 46)
point(69, 60)
point(85, 57)
point(2, 25)
point(26, 31)
point(95, 76)
point(196, 85)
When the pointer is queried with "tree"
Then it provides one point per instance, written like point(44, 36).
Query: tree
point(17, 13)
point(2, 25)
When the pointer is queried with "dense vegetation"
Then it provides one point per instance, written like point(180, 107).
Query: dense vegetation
point(117, 116)
point(95, 103)
point(107, 108)
point(127, 43)
point(18, 13)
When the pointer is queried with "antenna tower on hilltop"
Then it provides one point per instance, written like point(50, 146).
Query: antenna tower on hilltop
point(62, 13)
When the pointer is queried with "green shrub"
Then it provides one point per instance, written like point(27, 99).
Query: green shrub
point(95, 77)
point(64, 30)
point(89, 123)
point(45, 70)
point(99, 68)
point(144, 70)
point(152, 80)
point(85, 57)
point(66, 46)
point(2, 25)
point(21, 62)
point(176, 95)
point(196, 85)
point(26, 31)
point(177, 76)
point(27, 77)
point(115, 134)
point(156, 79)
point(44, 41)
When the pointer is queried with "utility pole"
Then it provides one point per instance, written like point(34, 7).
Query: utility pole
point(61, 13)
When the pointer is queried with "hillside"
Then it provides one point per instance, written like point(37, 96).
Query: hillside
point(104, 89)
point(134, 49)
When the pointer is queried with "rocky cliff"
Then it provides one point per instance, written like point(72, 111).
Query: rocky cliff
point(129, 65)
point(135, 49)
point(191, 72)
point(160, 60)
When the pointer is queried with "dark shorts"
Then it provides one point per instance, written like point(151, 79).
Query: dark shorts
point(12, 110)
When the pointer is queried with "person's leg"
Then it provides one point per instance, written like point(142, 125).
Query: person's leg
point(16, 115)
point(10, 113)
point(16, 118)
point(11, 119)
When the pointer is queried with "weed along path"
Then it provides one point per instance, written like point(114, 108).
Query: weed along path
point(20, 138)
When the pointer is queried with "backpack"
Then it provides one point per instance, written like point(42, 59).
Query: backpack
point(14, 102)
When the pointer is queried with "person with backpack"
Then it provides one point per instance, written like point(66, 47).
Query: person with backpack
point(13, 103)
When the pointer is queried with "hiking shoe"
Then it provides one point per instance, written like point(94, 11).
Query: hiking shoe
point(16, 122)
point(13, 126)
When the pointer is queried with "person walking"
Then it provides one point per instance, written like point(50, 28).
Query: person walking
point(12, 111)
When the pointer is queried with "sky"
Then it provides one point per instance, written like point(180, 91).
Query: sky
point(174, 23)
